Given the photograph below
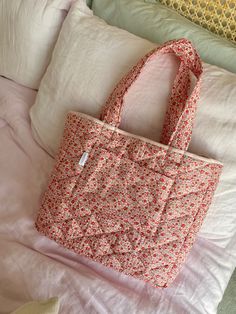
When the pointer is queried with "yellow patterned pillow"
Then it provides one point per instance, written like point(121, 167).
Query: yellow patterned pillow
point(218, 16)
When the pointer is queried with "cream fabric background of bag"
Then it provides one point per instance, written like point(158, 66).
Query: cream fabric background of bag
point(28, 32)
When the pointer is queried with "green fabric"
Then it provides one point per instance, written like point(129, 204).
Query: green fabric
point(159, 24)
point(228, 303)
point(50, 306)
point(89, 3)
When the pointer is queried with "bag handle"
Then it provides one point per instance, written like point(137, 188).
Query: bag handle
point(178, 123)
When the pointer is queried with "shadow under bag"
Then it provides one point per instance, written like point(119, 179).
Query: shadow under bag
point(125, 201)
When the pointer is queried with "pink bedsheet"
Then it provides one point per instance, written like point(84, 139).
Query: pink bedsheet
point(33, 267)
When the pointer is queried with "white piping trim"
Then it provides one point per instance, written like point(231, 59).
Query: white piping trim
point(144, 139)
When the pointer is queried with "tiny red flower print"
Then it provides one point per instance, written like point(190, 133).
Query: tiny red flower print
point(132, 204)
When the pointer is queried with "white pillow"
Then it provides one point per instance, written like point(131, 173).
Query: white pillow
point(28, 32)
point(89, 59)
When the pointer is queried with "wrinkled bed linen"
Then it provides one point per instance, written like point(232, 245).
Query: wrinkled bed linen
point(33, 267)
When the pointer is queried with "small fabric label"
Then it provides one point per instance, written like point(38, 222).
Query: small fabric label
point(83, 159)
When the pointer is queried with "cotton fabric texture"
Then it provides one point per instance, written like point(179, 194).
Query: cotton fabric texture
point(129, 203)
point(28, 33)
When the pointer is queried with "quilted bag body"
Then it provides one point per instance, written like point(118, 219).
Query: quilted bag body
point(125, 201)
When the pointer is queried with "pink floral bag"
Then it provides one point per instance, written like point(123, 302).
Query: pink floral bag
point(125, 201)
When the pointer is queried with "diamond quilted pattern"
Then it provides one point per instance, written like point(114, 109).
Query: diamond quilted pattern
point(147, 225)
point(83, 247)
point(112, 262)
point(135, 205)
point(122, 244)
point(73, 230)
point(130, 263)
point(102, 247)
point(93, 227)
point(110, 225)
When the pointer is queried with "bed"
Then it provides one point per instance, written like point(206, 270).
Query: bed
point(33, 267)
